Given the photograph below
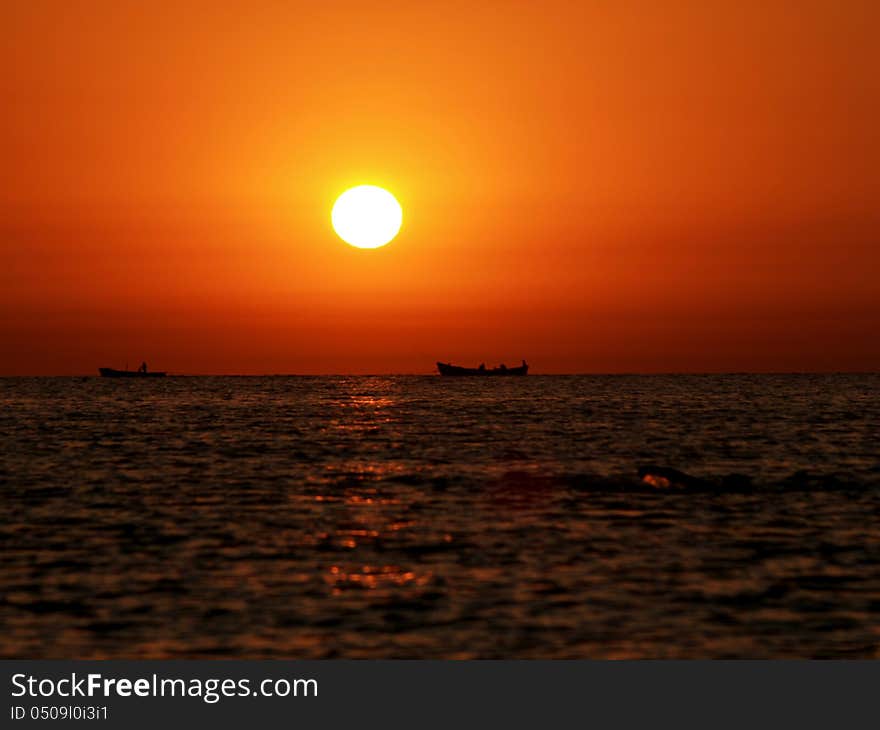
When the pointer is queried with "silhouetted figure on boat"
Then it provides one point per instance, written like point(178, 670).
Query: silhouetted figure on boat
point(143, 368)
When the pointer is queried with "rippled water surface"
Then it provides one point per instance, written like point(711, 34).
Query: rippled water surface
point(615, 516)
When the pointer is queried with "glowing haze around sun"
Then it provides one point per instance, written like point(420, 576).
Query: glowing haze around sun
point(366, 216)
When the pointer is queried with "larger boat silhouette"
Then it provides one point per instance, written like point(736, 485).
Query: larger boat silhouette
point(446, 368)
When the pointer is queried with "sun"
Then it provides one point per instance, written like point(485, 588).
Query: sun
point(366, 216)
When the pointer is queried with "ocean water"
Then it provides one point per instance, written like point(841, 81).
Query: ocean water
point(425, 517)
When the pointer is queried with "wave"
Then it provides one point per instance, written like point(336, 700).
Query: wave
point(653, 478)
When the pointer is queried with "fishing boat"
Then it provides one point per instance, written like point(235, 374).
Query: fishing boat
point(446, 368)
point(141, 372)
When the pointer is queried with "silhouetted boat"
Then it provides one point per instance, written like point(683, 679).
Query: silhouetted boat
point(446, 368)
point(111, 373)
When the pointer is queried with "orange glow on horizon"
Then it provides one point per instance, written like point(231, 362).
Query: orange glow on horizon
point(630, 187)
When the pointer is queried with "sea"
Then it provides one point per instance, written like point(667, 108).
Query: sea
point(608, 517)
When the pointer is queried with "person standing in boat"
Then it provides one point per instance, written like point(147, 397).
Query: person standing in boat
point(143, 368)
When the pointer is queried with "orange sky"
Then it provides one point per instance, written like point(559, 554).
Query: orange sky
point(596, 187)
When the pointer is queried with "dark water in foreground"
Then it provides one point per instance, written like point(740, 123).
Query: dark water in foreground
point(427, 517)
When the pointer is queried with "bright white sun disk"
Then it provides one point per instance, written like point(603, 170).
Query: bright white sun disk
point(366, 216)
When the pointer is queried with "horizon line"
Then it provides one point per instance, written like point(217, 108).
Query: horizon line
point(645, 373)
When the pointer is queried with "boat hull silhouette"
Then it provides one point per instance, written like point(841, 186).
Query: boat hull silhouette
point(113, 373)
point(451, 370)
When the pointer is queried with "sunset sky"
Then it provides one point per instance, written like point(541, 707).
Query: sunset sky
point(595, 187)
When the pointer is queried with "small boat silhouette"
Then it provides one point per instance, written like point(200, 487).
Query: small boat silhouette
point(449, 369)
point(141, 372)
